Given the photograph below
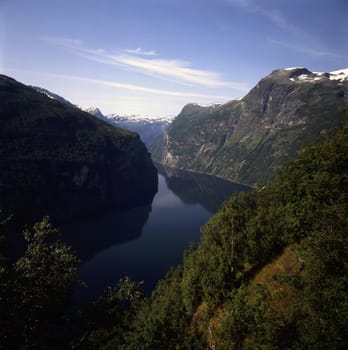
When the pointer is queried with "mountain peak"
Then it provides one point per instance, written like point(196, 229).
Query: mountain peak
point(301, 74)
point(94, 111)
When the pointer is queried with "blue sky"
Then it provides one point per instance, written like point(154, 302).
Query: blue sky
point(151, 57)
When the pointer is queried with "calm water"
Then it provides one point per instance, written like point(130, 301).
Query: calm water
point(145, 242)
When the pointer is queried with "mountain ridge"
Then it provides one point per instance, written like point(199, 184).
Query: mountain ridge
point(247, 139)
point(60, 161)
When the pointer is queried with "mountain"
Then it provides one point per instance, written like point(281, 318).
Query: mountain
point(246, 140)
point(53, 96)
point(147, 128)
point(60, 161)
point(96, 112)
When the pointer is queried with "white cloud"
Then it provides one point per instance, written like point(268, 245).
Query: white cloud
point(140, 51)
point(132, 87)
point(125, 86)
point(178, 71)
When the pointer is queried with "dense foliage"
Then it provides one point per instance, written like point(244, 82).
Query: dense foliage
point(270, 272)
point(271, 269)
point(35, 303)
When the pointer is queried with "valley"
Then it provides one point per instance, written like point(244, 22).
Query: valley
point(212, 263)
point(173, 175)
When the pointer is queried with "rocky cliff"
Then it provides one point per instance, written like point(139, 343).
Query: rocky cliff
point(60, 161)
point(246, 140)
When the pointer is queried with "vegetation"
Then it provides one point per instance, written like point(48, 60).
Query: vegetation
point(35, 304)
point(59, 161)
point(271, 269)
point(247, 140)
point(269, 273)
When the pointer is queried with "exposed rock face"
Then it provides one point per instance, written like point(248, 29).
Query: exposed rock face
point(246, 140)
point(60, 161)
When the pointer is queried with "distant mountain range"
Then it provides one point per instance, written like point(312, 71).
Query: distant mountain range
point(246, 140)
point(148, 128)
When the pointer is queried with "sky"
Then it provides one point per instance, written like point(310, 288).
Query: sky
point(152, 57)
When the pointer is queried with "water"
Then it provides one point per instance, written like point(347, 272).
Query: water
point(145, 242)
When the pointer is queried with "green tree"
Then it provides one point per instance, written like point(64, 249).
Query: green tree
point(36, 293)
point(108, 319)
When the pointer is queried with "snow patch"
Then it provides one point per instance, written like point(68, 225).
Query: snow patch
point(207, 105)
point(304, 77)
point(292, 68)
point(139, 118)
point(340, 75)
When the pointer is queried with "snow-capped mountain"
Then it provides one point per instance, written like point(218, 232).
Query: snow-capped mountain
point(94, 111)
point(147, 127)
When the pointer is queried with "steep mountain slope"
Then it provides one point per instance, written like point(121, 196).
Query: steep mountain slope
point(246, 140)
point(53, 96)
point(58, 160)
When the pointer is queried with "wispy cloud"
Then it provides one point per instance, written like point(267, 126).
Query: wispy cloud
point(125, 86)
point(139, 88)
point(304, 49)
point(175, 70)
point(271, 14)
point(140, 51)
point(304, 39)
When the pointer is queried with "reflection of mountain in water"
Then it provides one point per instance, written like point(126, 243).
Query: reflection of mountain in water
point(192, 188)
point(88, 238)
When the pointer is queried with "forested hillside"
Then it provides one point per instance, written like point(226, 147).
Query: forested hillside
point(270, 272)
point(57, 160)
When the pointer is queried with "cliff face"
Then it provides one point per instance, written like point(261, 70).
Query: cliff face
point(246, 140)
point(60, 161)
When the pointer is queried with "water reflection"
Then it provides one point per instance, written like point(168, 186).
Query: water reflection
point(92, 236)
point(145, 242)
point(209, 191)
